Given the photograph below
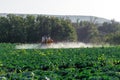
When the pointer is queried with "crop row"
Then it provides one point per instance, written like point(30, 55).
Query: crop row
point(58, 64)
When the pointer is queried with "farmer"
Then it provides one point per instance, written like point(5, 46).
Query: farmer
point(43, 39)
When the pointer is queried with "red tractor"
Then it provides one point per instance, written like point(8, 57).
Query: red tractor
point(46, 40)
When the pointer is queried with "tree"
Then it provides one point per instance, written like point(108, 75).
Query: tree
point(4, 29)
point(88, 32)
point(17, 29)
point(30, 28)
point(16, 24)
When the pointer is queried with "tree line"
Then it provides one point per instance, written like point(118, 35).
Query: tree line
point(92, 32)
point(30, 29)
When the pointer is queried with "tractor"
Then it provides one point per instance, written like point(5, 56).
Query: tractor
point(46, 40)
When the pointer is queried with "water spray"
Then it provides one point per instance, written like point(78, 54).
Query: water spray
point(55, 45)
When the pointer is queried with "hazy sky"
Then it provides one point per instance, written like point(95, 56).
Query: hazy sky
point(109, 9)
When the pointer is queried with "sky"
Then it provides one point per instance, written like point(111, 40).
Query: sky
point(109, 9)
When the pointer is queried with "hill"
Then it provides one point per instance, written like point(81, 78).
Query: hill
point(73, 18)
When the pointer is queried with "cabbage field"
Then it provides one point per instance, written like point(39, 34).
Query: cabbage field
point(95, 63)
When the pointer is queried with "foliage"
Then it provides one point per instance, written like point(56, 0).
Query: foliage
point(30, 29)
point(87, 32)
point(98, 33)
point(114, 38)
point(101, 63)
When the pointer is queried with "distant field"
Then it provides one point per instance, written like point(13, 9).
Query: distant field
point(98, 63)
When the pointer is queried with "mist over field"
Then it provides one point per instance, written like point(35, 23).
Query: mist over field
point(56, 45)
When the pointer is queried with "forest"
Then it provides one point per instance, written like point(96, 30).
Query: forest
point(30, 29)
point(92, 32)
